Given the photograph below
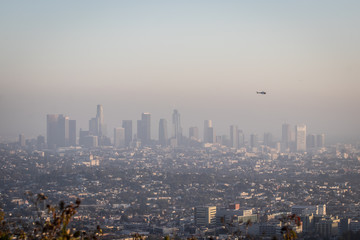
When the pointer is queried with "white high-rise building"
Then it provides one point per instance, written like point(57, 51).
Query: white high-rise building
point(300, 137)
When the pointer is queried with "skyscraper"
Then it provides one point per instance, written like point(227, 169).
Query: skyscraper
point(163, 136)
point(208, 132)
point(82, 135)
point(72, 132)
point(311, 141)
point(210, 135)
point(139, 131)
point(52, 130)
point(145, 128)
point(63, 131)
point(268, 139)
point(194, 133)
point(90, 141)
point(234, 136)
point(22, 140)
point(177, 130)
point(97, 127)
point(58, 131)
point(320, 140)
point(93, 127)
point(286, 136)
point(40, 142)
point(100, 120)
point(241, 139)
point(127, 125)
point(300, 137)
point(119, 137)
point(254, 141)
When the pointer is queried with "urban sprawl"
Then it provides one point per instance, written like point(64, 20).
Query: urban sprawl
point(219, 187)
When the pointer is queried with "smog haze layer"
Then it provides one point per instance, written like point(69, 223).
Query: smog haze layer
point(205, 58)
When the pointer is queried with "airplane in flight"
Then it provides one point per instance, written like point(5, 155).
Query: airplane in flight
point(262, 92)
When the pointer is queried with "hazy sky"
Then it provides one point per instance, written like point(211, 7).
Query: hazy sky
point(206, 58)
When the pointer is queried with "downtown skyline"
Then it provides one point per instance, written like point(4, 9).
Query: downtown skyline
point(206, 59)
point(98, 126)
point(63, 132)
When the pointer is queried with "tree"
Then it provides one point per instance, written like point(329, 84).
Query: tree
point(54, 226)
point(289, 222)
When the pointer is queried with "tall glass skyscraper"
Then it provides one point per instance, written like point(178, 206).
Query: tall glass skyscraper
point(127, 125)
point(163, 136)
point(177, 130)
point(145, 128)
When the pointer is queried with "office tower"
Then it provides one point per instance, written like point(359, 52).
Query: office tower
point(58, 131)
point(146, 128)
point(90, 141)
point(320, 140)
point(177, 130)
point(63, 131)
point(194, 133)
point(254, 141)
point(119, 137)
point(52, 130)
point(82, 135)
point(219, 140)
point(241, 139)
point(40, 142)
point(311, 141)
point(163, 136)
point(93, 127)
point(205, 215)
point(22, 140)
point(72, 132)
point(300, 137)
point(208, 132)
point(97, 126)
point(127, 125)
point(225, 141)
point(100, 120)
point(268, 139)
point(286, 136)
point(234, 136)
point(210, 135)
point(139, 130)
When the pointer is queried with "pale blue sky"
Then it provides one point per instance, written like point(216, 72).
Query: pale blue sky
point(207, 58)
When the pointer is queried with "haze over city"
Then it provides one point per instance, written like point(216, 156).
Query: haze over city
point(180, 120)
point(205, 58)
